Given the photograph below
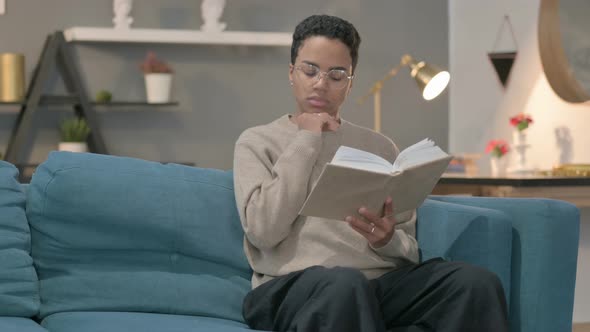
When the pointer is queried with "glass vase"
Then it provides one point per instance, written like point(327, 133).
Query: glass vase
point(498, 166)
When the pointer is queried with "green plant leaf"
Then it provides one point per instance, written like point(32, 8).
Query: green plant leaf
point(74, 130)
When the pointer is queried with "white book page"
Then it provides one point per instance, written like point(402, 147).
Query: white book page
point(419, 153)
point(355, 158)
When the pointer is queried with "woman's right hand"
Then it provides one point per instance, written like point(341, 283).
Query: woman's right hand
point(316, 122)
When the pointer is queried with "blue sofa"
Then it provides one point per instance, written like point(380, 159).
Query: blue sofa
point(104, 243)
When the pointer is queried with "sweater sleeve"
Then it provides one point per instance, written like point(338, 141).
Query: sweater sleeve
point(403, 243)
point(269, 196)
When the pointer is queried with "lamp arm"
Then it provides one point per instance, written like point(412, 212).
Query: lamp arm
point(377, 86)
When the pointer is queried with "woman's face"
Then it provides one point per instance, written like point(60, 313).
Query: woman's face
point(327, 92)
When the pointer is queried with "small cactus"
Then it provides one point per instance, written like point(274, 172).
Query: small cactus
point(104, 96)
point(74, 130)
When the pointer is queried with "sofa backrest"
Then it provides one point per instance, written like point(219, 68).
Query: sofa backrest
point(19, 288)
point(122, 234)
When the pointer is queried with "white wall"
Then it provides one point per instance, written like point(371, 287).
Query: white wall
point(480, 107)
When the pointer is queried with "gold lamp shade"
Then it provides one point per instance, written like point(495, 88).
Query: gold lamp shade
point(430, 79)
point(12, 77)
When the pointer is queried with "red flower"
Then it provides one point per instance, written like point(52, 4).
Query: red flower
point(521, 121)
point(152, 64)
point(497, 148)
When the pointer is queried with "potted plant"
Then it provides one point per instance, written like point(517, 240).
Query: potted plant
point(497, 150)
point(104, 96)
point(158, 79)
point(520, 122)
point(74, 132)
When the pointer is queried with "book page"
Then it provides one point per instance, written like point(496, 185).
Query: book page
point(359, 159)
point(419, 153)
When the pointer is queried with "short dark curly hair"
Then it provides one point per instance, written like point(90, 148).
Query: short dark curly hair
point(331, 27)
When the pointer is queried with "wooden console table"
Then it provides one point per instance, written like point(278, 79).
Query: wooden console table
point(575, 190)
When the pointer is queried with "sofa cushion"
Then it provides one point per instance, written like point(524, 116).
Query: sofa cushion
point(133, 321)
point(122, 234)
point(19, 324)
point(477, 235)
point(19, 288)
point(545, 236)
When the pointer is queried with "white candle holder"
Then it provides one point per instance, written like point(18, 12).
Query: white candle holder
point(520, 146)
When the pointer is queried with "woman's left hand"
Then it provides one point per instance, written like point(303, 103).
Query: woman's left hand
point(378, 230)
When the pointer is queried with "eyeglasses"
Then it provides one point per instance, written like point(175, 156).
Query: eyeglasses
point(336, 78)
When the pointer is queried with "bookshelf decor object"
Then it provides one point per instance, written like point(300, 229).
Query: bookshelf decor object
point(212, 32)
point(122, 9)
point(12, 77)
point(55, 56)
point(211, 11)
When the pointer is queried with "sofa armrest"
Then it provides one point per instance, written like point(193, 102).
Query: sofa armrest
point(479, 236)
point(544, 259)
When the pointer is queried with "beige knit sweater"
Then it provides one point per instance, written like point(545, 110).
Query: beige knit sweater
point(275, 167)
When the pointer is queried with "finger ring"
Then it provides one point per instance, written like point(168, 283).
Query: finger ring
point(373, 228)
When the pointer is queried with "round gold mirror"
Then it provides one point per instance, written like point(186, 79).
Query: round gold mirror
point(565, 47)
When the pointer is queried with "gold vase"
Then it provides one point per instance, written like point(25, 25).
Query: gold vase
point(12, 77)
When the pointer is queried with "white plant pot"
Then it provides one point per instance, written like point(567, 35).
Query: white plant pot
point(158, 86)
point(73, 146)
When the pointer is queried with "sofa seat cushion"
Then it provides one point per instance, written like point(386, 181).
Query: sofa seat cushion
point(134, 321)
point(19, 288)
point(19, 324)
point(122, 234)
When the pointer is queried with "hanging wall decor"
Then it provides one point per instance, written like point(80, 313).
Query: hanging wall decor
point(502, 61)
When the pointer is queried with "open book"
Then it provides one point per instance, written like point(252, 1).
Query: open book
point(356, 178)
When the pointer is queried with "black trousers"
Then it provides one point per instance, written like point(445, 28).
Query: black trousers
point(432, 296)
